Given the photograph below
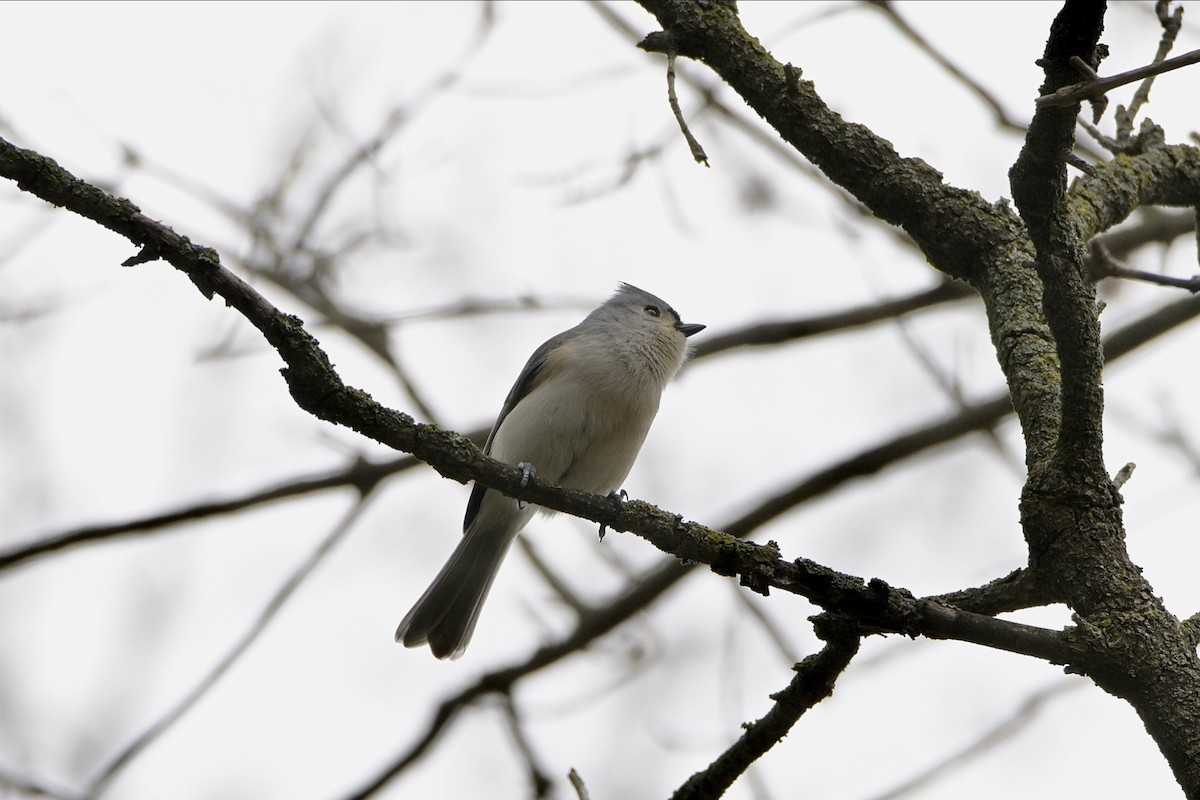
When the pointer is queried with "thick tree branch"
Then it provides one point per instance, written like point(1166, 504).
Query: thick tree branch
point(1165, 175)
point(962, 235)
point(317, 388)
point(1042, 315)
point(903, 191)
point(1068, 501)
point(1039, 185)
point(1070, 510)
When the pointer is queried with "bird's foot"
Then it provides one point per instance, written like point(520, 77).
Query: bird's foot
point(618, 497)
point(528, 473)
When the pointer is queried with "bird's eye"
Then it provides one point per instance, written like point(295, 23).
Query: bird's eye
point(652, 311)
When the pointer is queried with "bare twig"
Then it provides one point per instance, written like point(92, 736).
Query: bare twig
point(565, 593)
point(769, 333)
point(1003, 119)
point(693, 145)
point(103, 781)
point(1171, 25)
point(362, 475)
point(1025, 715)
point(813, 682)
point(952, 390)
point(539, 781)
point(477, 306)
point(1105, 265)
point(1169, 431)
point(1085, 90)
point(1123, 475)
point(577, 784)
point(772, 631)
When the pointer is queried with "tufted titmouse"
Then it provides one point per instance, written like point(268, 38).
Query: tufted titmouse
point(578, 415)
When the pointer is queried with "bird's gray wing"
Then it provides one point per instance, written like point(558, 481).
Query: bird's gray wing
point(526, 381)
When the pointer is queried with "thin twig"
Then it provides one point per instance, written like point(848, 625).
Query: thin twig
point(693, 145)
point(569, 597)
point(1025, 715)
point(539, 781)
point(774, 634)
point(1171, 25)
point(1003, 119)
point(1105, 265)
point(777, 332)
point(1078, 92)
point(577, 784)
point(953, 391)
point(1123, 475)
point(104, 780)
point(362, 475)
point(478, 306)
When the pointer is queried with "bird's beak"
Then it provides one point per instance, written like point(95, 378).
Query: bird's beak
point(688, 328)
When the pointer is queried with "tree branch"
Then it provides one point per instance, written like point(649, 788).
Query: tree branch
point(317, 388)
point(1039, 186)
point(813, 682)
point(960, 233)
point(770, 333)
point(362, 475)
point(1072, 95)
point(1070, 510)
point(103, 780)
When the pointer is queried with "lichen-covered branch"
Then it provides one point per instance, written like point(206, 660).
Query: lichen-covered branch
point(960, 233)
point(316, 387)
point(1040, 301)
point(1070, 509)
point(1039, 184)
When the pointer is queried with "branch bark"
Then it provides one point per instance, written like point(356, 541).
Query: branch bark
point(1042, 314)
point(1040, 306)
point(317, 388)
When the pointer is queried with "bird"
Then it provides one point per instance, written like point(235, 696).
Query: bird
point(576, 416)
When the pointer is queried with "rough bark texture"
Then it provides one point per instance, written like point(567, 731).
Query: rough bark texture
point(1027, 265)
point(1041, 307)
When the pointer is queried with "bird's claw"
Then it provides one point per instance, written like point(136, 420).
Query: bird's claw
point(528, 473)
point(618, 497)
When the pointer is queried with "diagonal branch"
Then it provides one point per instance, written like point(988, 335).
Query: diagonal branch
point(101, 783)
point(1072, 95)
point(317, 388)
point(813, 682)
point(770, 333)
point(960, 233)
point(362, 475)
point(1025, 715)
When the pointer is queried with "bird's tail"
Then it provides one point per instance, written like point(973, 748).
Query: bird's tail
point(445, 616)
